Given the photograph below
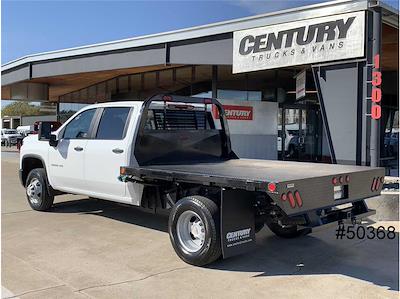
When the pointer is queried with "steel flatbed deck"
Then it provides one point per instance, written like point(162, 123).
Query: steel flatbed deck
point(247, 173)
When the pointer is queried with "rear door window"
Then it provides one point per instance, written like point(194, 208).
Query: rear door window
point(113, 123)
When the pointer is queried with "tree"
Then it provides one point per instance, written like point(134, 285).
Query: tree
point(20, 109)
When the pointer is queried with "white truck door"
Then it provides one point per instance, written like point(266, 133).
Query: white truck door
point(106, 152)
point(66, 160)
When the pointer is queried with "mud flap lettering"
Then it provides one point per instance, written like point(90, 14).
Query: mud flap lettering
point(237, 222)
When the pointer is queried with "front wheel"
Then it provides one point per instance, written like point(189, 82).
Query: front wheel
point(194, 230)
point(37, 191)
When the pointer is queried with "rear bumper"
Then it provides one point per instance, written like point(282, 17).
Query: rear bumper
point(323, 217)
point(348, 220)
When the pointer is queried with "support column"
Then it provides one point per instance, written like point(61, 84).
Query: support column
point(375, 123)
point(214, 81)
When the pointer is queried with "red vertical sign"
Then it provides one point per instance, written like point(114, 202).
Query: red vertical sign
point(376, 95)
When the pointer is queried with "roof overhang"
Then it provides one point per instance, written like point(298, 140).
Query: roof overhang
point(70, 69)
point(289, 15)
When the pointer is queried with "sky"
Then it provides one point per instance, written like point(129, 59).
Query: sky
point(30, 27)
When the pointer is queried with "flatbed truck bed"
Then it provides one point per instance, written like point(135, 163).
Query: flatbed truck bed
point(312, 180)
point(248, 171)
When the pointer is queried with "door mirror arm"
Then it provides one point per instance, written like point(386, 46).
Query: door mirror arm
point(53, 140)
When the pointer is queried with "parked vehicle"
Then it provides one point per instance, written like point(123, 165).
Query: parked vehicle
point(391, 143)
point(169, 155)
point(9, 136)
point(25, 130)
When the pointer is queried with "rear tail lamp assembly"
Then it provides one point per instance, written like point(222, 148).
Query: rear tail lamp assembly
point(341, 180)
point(377, 182)
point(298, 198)
point(293, 198)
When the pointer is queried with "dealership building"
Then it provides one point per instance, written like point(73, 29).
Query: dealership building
point(316, 83)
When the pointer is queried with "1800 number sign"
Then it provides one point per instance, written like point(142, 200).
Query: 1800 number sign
point(376, 95)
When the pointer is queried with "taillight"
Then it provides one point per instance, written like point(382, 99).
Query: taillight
point(373, 184)
point(283, 197)
point(341, 180)
point(376, 183)
point(291, 199)
point(271, 187)
point(376, 186)
point(298, 199)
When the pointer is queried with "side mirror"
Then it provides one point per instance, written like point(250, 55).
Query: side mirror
point(53, 140)
point(45, 128)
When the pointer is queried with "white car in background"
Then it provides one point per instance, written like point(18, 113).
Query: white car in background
point(9, 135)
point(25, 130)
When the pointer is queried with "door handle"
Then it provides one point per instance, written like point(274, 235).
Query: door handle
point(78, 148)
point(118, 150)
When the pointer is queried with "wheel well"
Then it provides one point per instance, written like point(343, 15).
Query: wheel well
point(28, 164)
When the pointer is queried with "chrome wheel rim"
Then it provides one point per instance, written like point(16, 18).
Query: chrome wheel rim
point(191, 231)
point(34, 191)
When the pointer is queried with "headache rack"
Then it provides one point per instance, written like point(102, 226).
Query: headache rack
point(183, 119)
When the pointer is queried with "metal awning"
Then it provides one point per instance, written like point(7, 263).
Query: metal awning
point(74, 68)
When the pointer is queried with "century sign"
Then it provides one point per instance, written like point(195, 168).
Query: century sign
point(234, 112)
point(322, 39)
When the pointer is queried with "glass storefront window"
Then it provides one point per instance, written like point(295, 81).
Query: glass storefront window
point(390, 140)
point(242, 95)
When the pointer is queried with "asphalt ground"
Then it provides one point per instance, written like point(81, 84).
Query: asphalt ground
point(97, 249)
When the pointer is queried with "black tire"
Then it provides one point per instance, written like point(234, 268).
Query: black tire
point(287, 231)
point(208, 212)
point(44, 199)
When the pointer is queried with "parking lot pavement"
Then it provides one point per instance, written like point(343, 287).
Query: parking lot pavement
point(89, 248)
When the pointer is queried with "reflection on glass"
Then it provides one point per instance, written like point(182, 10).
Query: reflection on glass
point(243, 95)
point(66, 110)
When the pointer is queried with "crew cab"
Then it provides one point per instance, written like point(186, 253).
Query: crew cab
point(172, 154)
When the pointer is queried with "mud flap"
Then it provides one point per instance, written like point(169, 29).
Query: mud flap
point(237, 222)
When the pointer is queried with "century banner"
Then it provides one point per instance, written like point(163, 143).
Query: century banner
point(321, 39)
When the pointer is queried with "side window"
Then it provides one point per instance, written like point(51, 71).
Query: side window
point(112, 123)
point(79, 127)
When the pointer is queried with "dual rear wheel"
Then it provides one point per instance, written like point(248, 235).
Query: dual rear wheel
point(194, 230)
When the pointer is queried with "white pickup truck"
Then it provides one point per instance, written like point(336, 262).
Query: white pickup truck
point(170, 154)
